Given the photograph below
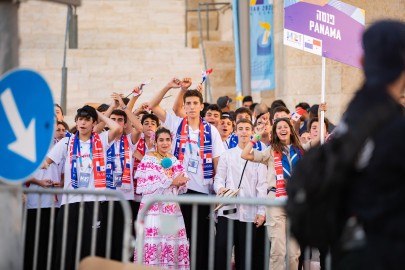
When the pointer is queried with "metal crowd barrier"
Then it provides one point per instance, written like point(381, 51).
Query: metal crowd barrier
point(208, 200)
point(127, 247)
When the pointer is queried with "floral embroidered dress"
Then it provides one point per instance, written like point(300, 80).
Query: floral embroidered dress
point(168, 251)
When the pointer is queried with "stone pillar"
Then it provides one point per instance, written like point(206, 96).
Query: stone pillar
point(10, 197)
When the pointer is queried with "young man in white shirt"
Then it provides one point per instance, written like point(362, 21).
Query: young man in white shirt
point(232, 141)
point(85, 164)
point(199, 145)
point(119, 175)
point(233, 173)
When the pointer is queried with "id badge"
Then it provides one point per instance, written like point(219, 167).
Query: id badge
point(84, 179)
point(192, 165)
point(117, 178)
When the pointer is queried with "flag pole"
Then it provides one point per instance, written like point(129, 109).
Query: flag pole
point(322, 120)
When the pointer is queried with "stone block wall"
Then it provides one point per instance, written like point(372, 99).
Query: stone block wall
point(121, 44)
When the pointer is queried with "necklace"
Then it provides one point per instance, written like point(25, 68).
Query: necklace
point(164, 160)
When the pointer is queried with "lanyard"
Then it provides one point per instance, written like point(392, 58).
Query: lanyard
point(189, 141)
point(80, 155)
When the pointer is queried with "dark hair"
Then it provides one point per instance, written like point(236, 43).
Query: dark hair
point(63, 123)
point(279, 109)
point(103, 107)
point(73, 130)
point(277, 103)
point(303, 105)
point(204, 110)
point(125, 100)
point(252, 107)
point(87, 112)
point(150, 116)
point(213, 107)
point(313, 111)
point(244, 120)
point(61, 110)
point(316, 119)
point(228, 115)
point(275, 142)
point(162, 130)
point(143, 112)
point(243, 110)
point(120, 113)
point(247, 99)
point(193, 93)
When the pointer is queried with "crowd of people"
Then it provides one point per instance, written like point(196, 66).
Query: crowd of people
point(150, 151)
point(201, 148)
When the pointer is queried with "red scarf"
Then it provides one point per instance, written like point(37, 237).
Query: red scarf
point(184, 137)
point(98, 161)
point(280, 181)
point(141, 148)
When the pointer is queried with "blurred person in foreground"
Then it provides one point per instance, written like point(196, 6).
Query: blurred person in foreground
point(374, 199)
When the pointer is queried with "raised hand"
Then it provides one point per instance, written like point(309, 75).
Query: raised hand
point(259, 129)
point(174, 83)
point(265, 117)
point(137, 91)
point(200, 87)
point(186, 83)
point(118, 99)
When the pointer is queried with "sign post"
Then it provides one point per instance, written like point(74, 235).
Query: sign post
point(331, 30)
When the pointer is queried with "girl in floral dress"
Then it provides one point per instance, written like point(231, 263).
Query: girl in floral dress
point(160, 173)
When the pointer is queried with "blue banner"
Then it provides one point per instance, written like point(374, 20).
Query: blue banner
point(261, 45)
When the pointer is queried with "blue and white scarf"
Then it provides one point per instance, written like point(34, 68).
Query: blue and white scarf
point(233, 142)
point(205, 149)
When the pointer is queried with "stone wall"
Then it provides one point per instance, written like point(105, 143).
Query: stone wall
point(121, 43)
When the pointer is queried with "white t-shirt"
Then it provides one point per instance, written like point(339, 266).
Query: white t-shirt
point(196, 182)
point(128, 194)
point(53, 173)
point(60, 153)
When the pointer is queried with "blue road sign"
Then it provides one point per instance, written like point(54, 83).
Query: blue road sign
point(26, 124)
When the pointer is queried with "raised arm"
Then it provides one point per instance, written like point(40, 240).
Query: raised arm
point(247, 153)
point(136, 93)
point(178, 106)
point(100, 125)
point(133, 120)
point(115, 128)
point(154, 103)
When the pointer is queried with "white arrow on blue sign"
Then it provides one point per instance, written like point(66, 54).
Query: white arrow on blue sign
point(27, 119)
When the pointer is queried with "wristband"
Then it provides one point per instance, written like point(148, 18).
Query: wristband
point(253, 142)
point(124, 107)
point(257, 136)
